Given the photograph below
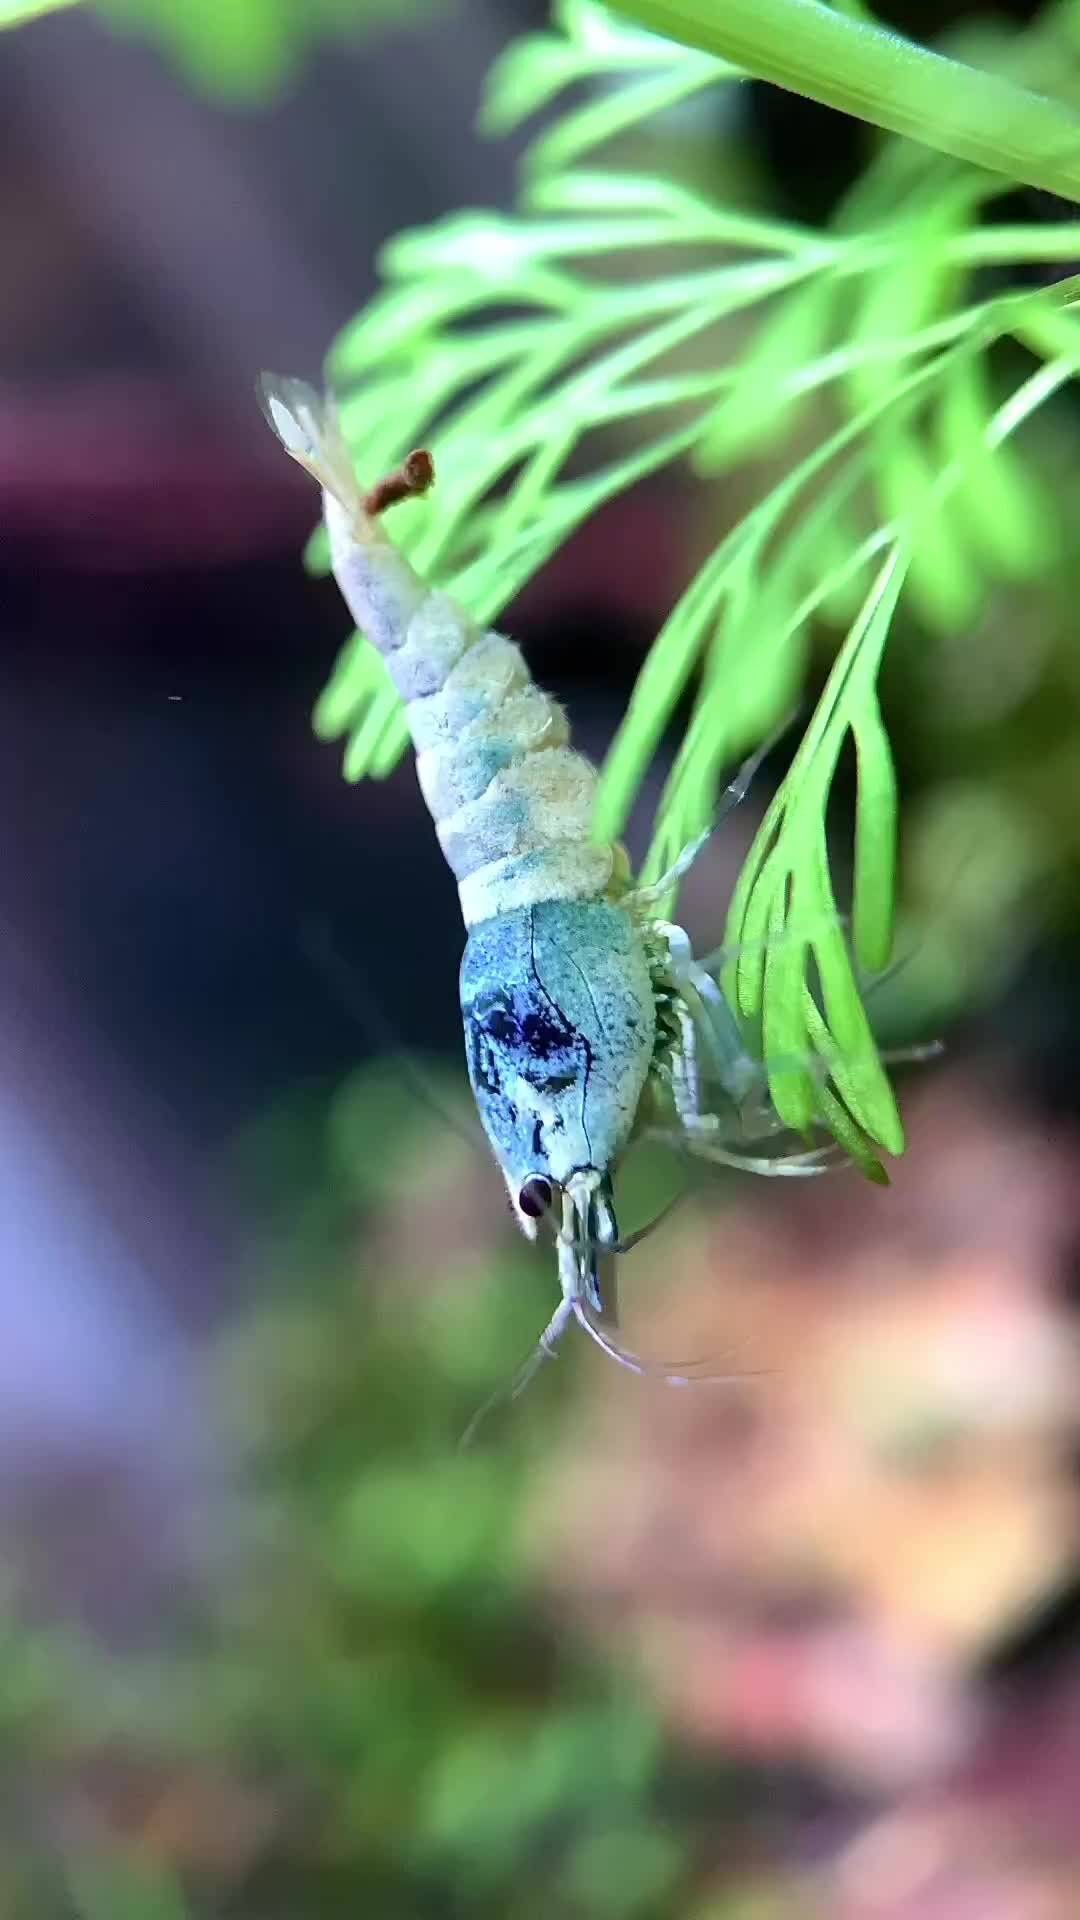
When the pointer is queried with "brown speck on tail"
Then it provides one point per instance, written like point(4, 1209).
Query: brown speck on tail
point(413, 478)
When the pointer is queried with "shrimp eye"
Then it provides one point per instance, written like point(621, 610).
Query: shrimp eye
point(535, 1196)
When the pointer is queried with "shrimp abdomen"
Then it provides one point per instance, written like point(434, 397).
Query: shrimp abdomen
point(512, 801)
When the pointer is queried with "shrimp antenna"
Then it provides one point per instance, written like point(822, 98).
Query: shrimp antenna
point(524, 1375)
point(647, 1370)
point(576, 1309)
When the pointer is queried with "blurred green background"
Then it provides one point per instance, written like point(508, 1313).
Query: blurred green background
point(802, 1643)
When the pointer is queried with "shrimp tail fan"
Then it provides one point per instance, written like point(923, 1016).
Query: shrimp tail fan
point(306, 424)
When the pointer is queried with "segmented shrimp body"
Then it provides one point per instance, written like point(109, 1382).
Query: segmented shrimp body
point(573, 994)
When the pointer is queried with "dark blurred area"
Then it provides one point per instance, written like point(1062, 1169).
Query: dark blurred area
point(270, 1644)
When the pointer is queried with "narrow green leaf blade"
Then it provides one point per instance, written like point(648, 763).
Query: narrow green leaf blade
point(785, 1043)
point(874, 888)
point(526, 76)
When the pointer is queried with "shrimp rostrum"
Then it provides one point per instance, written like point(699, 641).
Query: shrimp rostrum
point(585, 1014)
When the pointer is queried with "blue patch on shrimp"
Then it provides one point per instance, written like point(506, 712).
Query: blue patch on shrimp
point(558, 1036)
point(528, 1063)
point(526, 1029)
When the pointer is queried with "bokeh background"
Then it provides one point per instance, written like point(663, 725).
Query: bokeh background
point(802, 1644)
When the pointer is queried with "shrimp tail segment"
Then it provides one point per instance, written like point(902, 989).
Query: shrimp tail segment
point(307, 427)
point(511, 800)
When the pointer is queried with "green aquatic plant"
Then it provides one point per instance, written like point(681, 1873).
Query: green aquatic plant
point(621, 322)
point(239, 50)
point(624, 321)
point(13, 13)
point(836, 52)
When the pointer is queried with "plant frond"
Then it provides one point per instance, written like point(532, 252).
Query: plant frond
point(242, 50)
point(551, 374)
point(13, 13)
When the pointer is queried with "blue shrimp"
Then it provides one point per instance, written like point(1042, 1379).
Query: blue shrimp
point(581, 1007)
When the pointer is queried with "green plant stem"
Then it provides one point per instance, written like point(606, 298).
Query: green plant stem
point(14, 12)
point(877, 76)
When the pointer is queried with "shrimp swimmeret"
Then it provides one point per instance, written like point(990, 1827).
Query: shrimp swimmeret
point(580, 1005)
